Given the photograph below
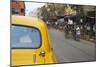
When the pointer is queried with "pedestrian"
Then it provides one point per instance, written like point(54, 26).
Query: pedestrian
point(74, 32)
point(66, 30)
point(77, 33)
point(70, 23)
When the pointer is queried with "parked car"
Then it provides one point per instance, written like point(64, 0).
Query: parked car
point(30, 43)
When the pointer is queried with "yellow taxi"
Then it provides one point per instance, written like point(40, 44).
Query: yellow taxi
point(30, 43)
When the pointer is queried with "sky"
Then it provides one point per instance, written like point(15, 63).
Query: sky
point(30, 6)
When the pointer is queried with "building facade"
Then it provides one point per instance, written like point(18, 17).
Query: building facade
point(18, 7)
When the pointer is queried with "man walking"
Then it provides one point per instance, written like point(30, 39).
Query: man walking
point(77, 33)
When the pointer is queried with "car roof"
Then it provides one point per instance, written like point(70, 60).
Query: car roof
point(30, 21)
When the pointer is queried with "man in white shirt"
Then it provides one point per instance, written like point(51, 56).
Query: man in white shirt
point(78, 33)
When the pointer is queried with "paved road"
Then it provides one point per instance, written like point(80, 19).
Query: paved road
point(69, 50)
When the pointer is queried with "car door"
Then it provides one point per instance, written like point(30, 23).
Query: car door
point(26, 45)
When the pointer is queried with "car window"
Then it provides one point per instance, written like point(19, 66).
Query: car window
point(24, 37)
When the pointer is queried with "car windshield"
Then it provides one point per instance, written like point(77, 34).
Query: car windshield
point(25, 37)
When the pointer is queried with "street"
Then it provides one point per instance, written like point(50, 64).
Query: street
point(71, 28)
point(69, 50)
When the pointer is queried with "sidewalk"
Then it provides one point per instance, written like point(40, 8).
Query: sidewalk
point(88, 42)
point(86, 38)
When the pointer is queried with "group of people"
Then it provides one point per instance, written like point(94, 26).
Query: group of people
point(73, 28)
